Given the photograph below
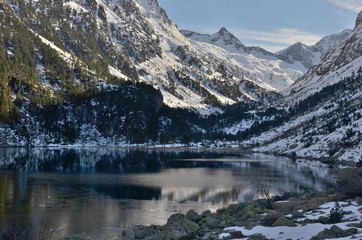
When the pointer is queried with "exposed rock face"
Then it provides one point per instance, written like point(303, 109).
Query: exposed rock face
point(358, 21)
point(228, 39)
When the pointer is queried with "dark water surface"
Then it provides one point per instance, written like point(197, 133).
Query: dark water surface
point(83, 191)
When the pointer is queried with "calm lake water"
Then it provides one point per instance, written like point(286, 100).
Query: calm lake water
point(84, 191)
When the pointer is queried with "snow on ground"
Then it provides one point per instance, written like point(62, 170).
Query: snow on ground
point(303, 232)
point(241, 126)
point(278, 140)
point(312, 83)
point(76, 6)
point(65, 55)
point(116, 73)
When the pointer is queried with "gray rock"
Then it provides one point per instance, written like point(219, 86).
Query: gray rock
point(309, 221)
point(232, 208)
point(206, 213)
point(220, 211)
point(175, 221)
point(222, 224)
point(190, 226)
point(282, 221)
point(211, 222)
point(249, 208)
point(323, 220)
point(353, 225)
point(229, 220)
point(193, 216)
point(269, 219)
point(337, 230)
point(127, 234)
point(325, 234)
point(144, 231)
point(350, 232)
point(174, 235)
point(204, 230)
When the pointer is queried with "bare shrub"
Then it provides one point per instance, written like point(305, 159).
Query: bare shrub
point(263, 189)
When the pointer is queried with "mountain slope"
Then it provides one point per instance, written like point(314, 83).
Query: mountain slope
point(136, 40)
point(252, 63)
point(341, 61)
point(309, 56)
point(324, 116)
point(325, 125)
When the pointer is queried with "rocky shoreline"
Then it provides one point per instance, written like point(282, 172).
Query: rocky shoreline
point(288, 211)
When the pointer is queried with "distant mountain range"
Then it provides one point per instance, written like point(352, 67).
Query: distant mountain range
point(117, 72)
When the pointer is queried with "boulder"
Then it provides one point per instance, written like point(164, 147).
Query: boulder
point(193, 216)
point(127, 234)
point(144, 231)
point(236, 234)
point(323, 220)
point(229, 220)
point(282, 221)
point(325, 234)
point(211, 222)
point(222, 224)
point(206, 213)
point(337, 230)
point(350, 232)
point(173, 235)
point(175, 220)
point(269, 219)
point(190, 226)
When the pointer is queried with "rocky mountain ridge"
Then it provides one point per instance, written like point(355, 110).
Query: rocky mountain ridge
point(342, 61)
point(136, 40)
point(310, 56)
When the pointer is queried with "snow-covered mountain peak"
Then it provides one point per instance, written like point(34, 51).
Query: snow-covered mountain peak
point(225, 37)
point(330, 41)
point(359, 21)
point(310, 56)
point(224, 32)
point(151, 8)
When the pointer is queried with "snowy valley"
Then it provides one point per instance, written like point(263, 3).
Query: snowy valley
point(121, 73)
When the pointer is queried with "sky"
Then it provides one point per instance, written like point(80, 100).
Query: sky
point(271, 24)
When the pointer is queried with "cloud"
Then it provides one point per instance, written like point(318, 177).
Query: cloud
point(351, 5)
point(279, 37)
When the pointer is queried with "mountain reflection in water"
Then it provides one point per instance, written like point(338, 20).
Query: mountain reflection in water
point(89, 189)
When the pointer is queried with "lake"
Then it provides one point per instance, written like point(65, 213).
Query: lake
point(87, 190)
